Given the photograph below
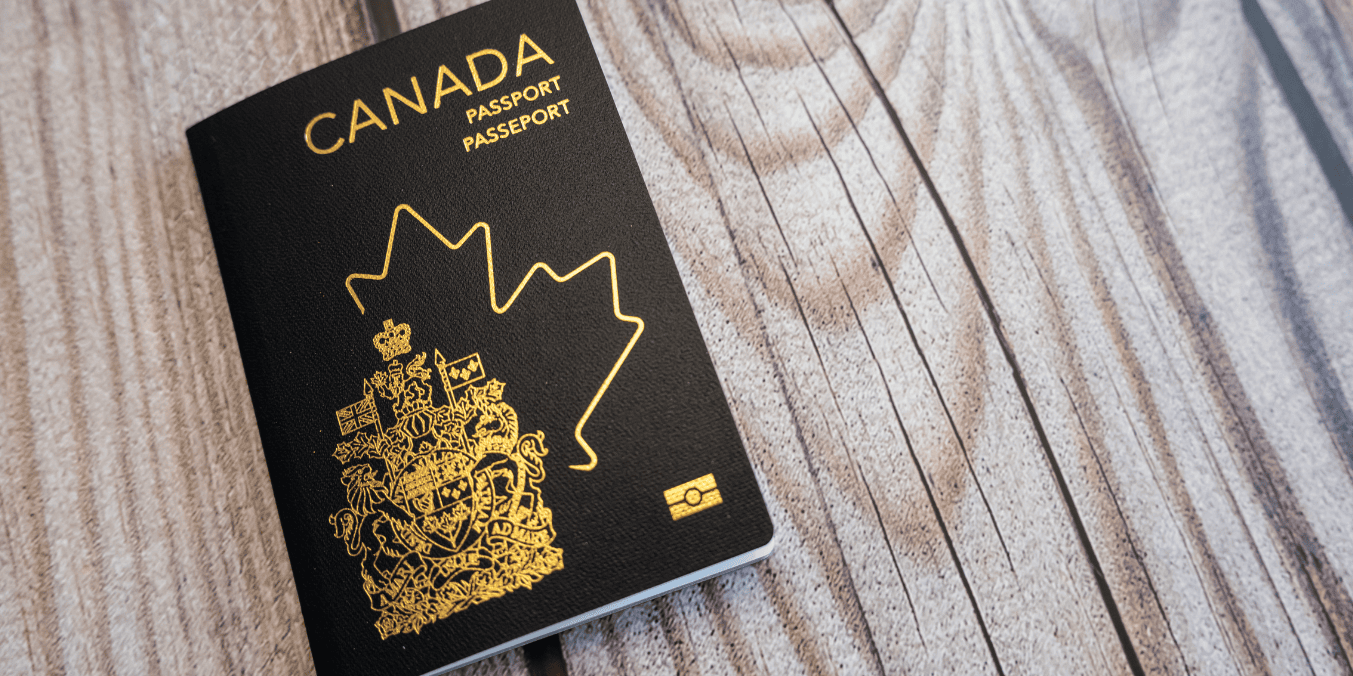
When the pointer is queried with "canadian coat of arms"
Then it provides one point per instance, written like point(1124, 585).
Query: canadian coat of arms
point(444, 505)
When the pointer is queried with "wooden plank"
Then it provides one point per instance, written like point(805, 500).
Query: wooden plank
point(1316, 37)
point(1314, 92)
point(1128, 181)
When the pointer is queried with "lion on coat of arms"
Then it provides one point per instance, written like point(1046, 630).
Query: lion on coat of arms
point(444, 505)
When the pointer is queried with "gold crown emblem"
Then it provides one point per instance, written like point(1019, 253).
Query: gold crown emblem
point(393, 341)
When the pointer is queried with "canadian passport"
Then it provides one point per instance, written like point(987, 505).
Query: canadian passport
point(485, 403)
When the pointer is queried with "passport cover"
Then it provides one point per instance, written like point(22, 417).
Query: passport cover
point(486, 406)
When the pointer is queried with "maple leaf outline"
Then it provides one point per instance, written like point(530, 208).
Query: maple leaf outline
point(502, 309)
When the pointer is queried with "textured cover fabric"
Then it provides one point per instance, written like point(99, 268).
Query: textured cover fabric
point(419, 372)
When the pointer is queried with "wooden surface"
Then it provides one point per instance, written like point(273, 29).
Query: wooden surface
point(1037, 320)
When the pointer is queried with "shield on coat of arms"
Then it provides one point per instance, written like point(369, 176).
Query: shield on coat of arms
point(444, 506)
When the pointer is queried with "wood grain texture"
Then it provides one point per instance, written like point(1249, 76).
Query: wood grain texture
point(1035, 320)
point(1316, 35)
point(1200, 380)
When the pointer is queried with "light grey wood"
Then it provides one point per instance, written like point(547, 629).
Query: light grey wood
point(1315, 35)
point(1136, 189)
point(1141, 286)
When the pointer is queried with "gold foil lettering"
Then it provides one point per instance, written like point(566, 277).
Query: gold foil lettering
point(391, 95)
point(444, 72)
point(358, 105)
point(321, 151)
point(447, 82)
point(474, 72)
point(521, 50)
